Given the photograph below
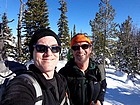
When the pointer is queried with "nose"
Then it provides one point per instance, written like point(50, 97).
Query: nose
point(80, 49)
point(49, 52)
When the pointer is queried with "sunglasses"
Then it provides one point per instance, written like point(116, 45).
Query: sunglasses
point(43, 48)
point(84, 46)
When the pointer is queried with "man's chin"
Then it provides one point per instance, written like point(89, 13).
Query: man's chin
point(80, 60)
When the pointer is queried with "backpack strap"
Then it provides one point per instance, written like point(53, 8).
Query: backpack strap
point(37, 87)
point(102, 71)
point(65, 99)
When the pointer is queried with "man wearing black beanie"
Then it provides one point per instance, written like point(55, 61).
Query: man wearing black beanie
point(39, 34)
point(44, 48)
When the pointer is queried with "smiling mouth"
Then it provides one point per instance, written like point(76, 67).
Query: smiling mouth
point(80, 55)
point(48, 59)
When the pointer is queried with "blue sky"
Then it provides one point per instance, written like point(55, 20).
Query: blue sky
point(80, 12)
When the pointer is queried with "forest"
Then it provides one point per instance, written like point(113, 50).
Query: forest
point(119, 43)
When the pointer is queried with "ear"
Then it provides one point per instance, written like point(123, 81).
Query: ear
point(90, 49)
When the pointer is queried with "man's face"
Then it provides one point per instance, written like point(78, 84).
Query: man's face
point(46, 61)
point(81, 54)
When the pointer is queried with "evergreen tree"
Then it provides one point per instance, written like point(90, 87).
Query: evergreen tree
point(19, 30)
point(8, 40)
point(127, 46)
point(103, 29)
point(74, 30)
point(35, 17)
point(69, 54)
point(137, 51)
point(63, 30)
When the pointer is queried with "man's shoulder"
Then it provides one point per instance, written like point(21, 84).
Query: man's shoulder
point(67, 66)
point(67, 69)
point(63, 71)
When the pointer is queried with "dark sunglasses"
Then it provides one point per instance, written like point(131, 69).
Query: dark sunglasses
point(84, 46)
point(43, 48)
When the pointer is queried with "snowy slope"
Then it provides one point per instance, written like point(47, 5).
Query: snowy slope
point(120, 89)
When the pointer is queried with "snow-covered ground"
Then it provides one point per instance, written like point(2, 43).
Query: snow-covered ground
point(120, 89)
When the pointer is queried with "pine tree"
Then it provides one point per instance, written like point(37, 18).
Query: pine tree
point(63, 30)
point(137, 51)
point(103, 28)
point(74, 30)
point(19, 30)
point(8, 40)
point(127, 46)
point(35, 17)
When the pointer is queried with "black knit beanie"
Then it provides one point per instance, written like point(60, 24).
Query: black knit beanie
point(39, 34)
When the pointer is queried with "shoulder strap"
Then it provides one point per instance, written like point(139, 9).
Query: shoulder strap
point(102, 70)
point(65, 99)
point(36, 86)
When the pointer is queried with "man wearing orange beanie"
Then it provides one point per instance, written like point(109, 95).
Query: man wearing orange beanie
point(83, 75)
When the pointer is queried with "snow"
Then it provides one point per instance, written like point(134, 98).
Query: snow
point(60, 65)
point(120, 89)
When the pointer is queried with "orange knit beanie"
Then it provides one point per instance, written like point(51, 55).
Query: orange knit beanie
point(80, 38)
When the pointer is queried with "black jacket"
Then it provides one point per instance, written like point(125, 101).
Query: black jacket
point(84, 88)
point(21, 92)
